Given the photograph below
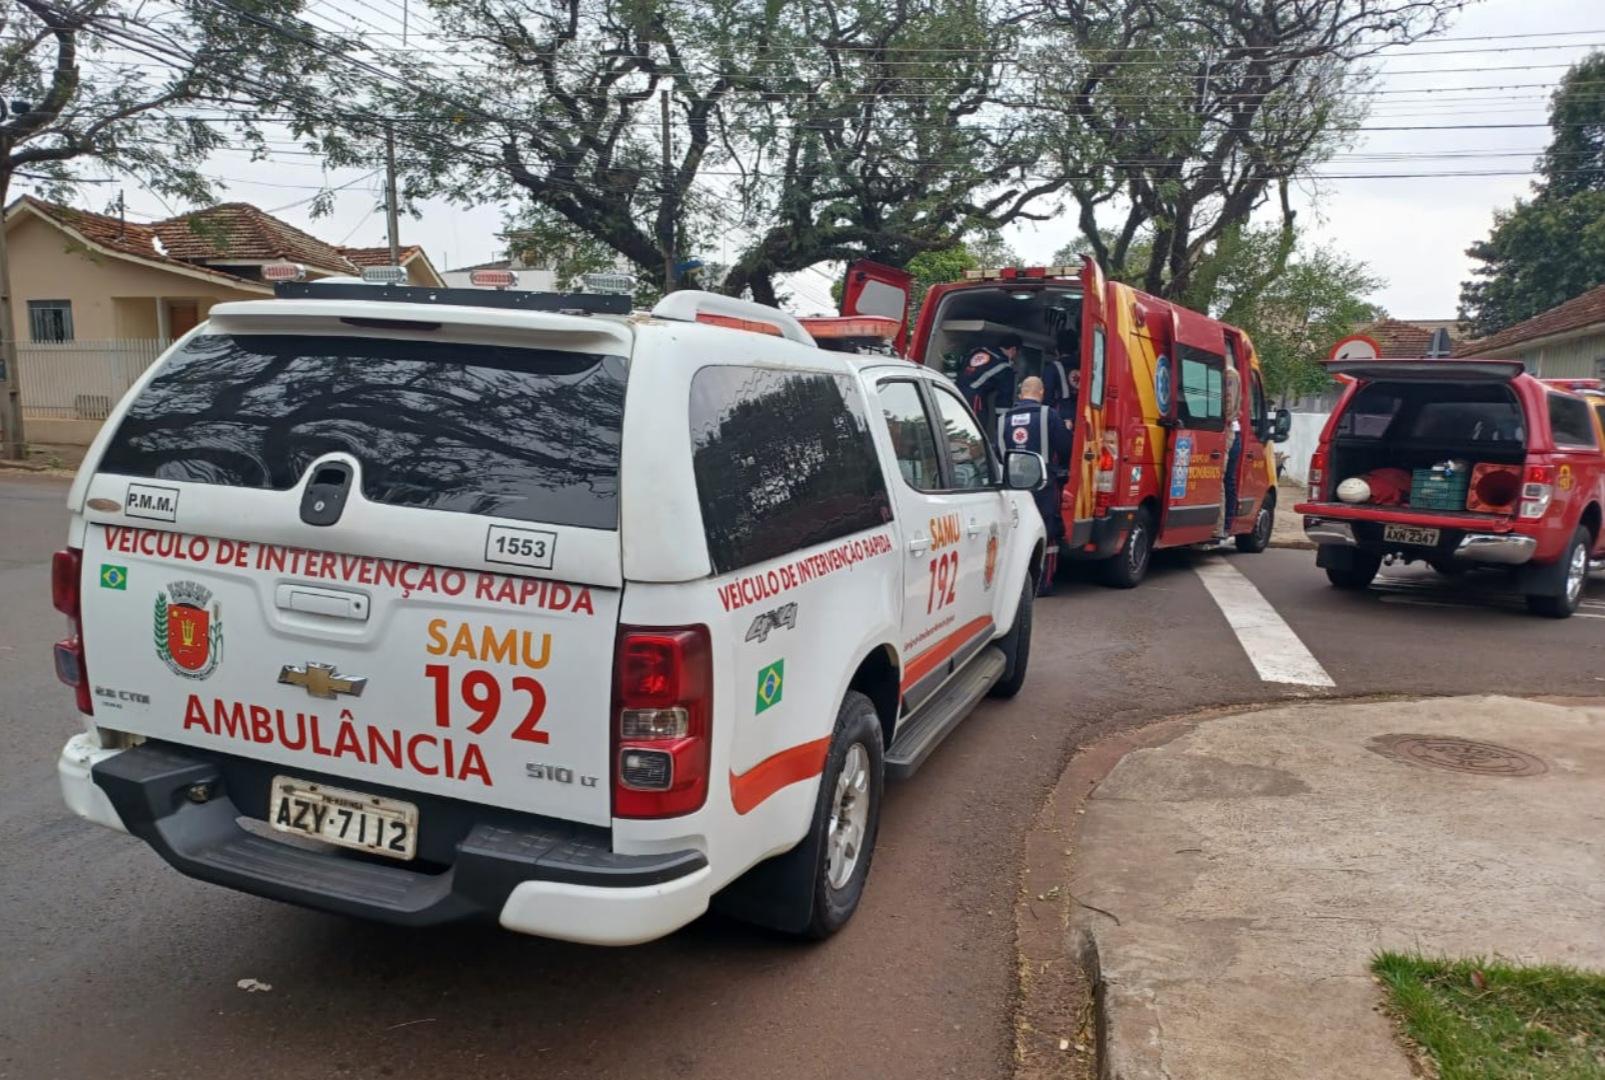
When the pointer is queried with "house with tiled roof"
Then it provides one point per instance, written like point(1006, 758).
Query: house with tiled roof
point(95, 297)
point(1565, 342)
point(1401, 339)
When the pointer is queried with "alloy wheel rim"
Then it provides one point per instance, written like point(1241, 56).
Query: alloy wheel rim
point(849, 818)
point(1576, 571)
point(1262, 527)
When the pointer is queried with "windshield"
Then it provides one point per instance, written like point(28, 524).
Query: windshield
point(531, 434)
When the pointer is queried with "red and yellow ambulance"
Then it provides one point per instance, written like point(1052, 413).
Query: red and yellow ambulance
point(1152, 428)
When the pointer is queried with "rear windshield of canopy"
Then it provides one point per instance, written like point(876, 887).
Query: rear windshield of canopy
point(531, 434)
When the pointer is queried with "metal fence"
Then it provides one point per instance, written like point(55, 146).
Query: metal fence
point(81, 380)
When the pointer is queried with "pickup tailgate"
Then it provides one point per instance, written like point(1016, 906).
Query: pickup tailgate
point(451, 632)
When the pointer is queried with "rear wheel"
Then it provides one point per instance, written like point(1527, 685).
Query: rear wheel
point(1016, 646)
point(1127, 569)
point(1253, 543)
point(1561, 604)
point(1358, 574)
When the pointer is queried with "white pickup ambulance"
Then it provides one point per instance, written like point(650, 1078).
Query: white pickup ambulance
point(427, 605)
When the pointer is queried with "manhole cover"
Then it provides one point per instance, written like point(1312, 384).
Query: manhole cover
point(1457, 755)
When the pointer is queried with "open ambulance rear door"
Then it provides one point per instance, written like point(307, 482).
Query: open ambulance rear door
point(876, 289)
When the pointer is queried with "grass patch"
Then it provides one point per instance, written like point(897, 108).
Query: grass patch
point(1480, 1020)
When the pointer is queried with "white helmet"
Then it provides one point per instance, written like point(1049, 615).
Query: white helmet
point(1354, 490)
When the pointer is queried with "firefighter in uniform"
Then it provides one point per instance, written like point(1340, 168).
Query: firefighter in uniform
point(1031, 425)
point(987, 379)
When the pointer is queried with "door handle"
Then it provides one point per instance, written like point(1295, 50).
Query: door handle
point(1214, 455)
point(918, 544)
point(974, 527)
point(331, 603)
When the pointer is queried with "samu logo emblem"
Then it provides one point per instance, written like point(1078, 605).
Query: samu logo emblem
point(189, 629)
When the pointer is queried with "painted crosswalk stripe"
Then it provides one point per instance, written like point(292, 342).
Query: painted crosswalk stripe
point(1275, 651)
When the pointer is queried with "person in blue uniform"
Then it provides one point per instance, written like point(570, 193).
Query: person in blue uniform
point(1059, 377)
point(987, 378)
point(1031, 425)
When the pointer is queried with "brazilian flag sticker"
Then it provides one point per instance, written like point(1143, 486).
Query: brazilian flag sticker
point(771, 684)
point(113, 577)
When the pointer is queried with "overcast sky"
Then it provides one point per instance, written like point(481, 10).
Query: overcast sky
point(1412, 232)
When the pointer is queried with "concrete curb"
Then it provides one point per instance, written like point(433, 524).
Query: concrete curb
point(1292, 545)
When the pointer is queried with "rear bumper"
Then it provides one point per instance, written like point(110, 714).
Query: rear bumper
point(533, 875)
point(1503, 549)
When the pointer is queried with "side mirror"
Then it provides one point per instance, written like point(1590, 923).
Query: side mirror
point(1024, 470)
point(1282, 427)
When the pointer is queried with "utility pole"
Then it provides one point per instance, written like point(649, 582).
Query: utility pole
point(668, 179)
point(12, 442)
point(390, 195)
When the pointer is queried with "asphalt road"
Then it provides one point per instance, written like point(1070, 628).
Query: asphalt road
point(114, 965)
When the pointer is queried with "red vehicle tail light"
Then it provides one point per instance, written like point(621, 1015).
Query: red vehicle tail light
point(663, 711)
point(66, 577)
point(1537, 491)
point(1317, 475)
point(1104, 483)
point(1494, 488)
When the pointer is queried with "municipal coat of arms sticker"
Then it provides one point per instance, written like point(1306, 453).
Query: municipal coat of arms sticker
point(189, 629)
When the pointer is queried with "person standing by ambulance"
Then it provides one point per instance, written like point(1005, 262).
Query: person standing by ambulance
point(1232, 405)
point(1031, 425)
point(987, 379)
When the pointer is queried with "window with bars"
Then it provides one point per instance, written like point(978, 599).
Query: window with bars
point(50, 320)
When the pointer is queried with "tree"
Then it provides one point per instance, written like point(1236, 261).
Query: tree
point(801, 132)
point(1176, 120)
point(113, 87)
point(1545, 251)
point(1293, 306)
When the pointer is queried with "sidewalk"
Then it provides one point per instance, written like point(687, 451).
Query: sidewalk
point(1230, 886)
point(1288, 532)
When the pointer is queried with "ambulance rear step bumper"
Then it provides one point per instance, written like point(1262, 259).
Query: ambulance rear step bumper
point(150, 787)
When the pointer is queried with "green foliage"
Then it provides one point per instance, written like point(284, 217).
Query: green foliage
point(1172, 122)
point(1544, 251)
point(1492, 1021)
point(1293, 306)
point(94, 99)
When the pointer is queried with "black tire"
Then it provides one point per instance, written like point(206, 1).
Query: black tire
point(1016, 646)
point(1574, 577)
point(1127, 568)
point(1252, 543)
point(1358, 574)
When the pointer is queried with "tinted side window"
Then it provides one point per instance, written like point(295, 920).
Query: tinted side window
point(783, 460)
point(912, 438)
point(476, 429)
point(1258, 403)
point(1202, 379)
point(1569, 421)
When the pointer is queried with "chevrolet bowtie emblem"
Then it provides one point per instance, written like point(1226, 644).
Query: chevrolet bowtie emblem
point(321, 680)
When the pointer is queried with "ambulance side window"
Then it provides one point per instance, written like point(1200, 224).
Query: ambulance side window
point(1261, 427)
point(784, 460)
point(1098, 367)
point(912, 439)
point(1203, 375)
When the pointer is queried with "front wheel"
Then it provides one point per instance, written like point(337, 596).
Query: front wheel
point(1127, 569)
point(1016, 646)
point(1561, 604)
point(1257, 541)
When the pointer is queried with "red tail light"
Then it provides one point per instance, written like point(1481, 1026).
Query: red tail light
point(662, 712)
point(1317, 490)
point(1537, 492)
point(66, 576)
point(1104, 483)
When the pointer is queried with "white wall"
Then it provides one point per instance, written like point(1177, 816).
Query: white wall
point(1301, 443)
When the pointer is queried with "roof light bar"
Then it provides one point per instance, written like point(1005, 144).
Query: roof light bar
point(384, 275)
point(283, 271)
point(492, 279)
point(609, 282)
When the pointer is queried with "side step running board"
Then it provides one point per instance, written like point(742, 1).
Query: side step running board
point(924, 731)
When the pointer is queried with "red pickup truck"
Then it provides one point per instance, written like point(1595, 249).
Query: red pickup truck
point(1465, 463)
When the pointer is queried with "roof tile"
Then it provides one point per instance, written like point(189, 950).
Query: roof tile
point(1576, 313)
